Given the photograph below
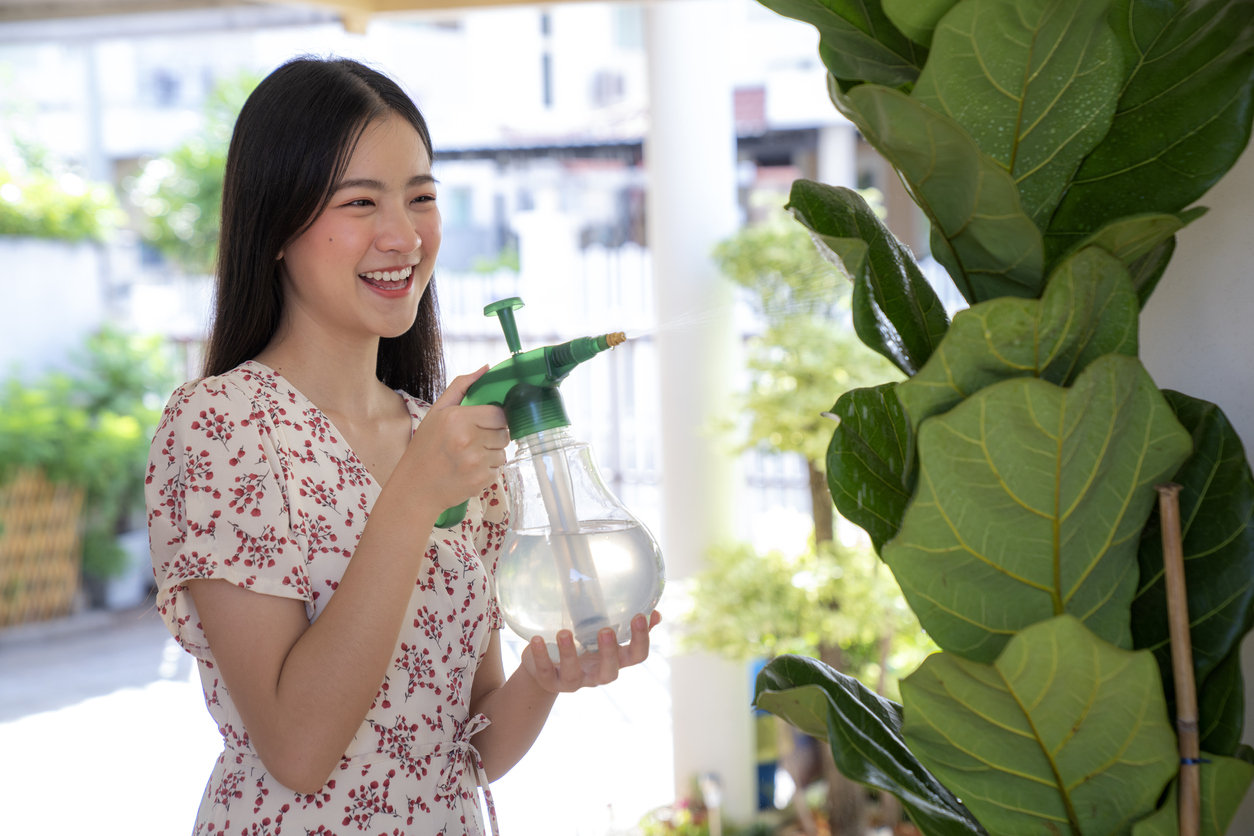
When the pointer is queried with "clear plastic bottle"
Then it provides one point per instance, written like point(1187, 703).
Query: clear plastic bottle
point(574, 558)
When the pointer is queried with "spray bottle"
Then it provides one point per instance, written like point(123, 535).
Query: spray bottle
point(574, 557)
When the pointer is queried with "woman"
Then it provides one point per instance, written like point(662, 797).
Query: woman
point(348, 652)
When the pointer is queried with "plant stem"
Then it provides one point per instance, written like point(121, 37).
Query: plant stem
point(1181, 660)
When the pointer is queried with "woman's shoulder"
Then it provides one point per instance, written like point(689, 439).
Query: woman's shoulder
point(246, 394)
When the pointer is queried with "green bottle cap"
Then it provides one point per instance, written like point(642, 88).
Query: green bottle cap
point(529, 409)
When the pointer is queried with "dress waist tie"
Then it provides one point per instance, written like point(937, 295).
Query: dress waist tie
point(462, 757)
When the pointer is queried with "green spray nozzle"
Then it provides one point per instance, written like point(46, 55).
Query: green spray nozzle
point(526, 384)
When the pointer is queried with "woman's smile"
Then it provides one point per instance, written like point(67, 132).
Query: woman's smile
point(392, 282)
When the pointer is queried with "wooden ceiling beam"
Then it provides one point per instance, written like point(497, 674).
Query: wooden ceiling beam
point(354, 13)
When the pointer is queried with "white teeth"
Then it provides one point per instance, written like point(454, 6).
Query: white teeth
point(396, 276)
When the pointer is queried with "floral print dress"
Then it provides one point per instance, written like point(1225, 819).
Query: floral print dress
point(248, 481)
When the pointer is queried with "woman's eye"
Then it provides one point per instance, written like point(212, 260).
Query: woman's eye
point(425, 198)
point(361, 201)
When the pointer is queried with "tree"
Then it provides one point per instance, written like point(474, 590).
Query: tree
point(180, 194)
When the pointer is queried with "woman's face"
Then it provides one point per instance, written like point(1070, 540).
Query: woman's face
point(362, 267)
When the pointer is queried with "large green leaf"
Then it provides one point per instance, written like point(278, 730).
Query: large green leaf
point(1221, 706)
point(1030, 502)
point(895, 311)
point(1062, 734)
point(870, 461)
point(917, 18)
point(1224, 783)
point(1144, 243)
point(1183, 116)
point(864, 731)
point(979, 231)
point(1088, 310)
point(1034, 82)
point(857, 40)
point(1217, 527)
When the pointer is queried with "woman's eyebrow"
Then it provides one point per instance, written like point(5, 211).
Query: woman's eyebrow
point(378, 185)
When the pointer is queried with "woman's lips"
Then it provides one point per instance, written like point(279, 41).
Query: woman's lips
point(395, 281)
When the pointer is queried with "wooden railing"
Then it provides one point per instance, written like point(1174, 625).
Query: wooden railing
point(40, 548)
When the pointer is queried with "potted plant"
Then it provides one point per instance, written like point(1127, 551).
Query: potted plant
point(91, 429)
point(1056, 147)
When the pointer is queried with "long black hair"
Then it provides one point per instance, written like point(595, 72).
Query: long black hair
point(292, 142)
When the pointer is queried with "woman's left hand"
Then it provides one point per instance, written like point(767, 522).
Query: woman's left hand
point(574, 672)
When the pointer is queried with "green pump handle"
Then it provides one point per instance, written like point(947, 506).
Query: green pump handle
point(526, 384)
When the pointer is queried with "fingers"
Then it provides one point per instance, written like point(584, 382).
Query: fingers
point(569, 673)
point(572, 672)
point(638, 649)
point(456, 391)
point(487, 418)
point(607, 650)
point(543, 669)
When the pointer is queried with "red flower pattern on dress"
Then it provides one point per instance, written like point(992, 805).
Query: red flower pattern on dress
point(249, 482)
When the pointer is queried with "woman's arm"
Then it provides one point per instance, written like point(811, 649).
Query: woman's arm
point(519, 706)
point(303, 689)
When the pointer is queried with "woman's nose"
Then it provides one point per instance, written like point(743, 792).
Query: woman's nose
point(397, 233)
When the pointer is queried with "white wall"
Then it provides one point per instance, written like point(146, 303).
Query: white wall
point(50, 299)
point(1196, 338)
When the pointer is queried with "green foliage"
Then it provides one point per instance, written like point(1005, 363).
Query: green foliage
point(37, 205)
point(1223, 783)
point(1062, 730)
point(796, 369)
point(1089, 309)
point(180, 194)
point(805, 357)
point(1183, 115)
point(506, 259)
point(980, 232)
point(1054, 145)
point(895, 310)
point(749, 605)
point(776, 261)
point(675, 821)
point(1217, 527)
point(871, 471)
point(1034, 84)
point(753, 606)
point(917, 18)
point(1144, 243)
point(91, 428)
point(857, 39)
point(1030, 505)
point(864, 730)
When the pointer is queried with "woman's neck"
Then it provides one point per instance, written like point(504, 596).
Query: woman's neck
point(336, 374)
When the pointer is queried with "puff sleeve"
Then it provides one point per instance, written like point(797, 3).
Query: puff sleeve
point(217, 505)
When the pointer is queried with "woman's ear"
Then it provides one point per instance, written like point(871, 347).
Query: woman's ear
point(279, 257)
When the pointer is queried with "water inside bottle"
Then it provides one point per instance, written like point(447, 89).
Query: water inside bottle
point(540, 591)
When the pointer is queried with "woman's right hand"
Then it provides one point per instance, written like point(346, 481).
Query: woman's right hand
point(457, 451)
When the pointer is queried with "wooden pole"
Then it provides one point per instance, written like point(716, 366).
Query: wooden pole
point(1181, 660)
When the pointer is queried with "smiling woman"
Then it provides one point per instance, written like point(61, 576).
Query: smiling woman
point(348, 655)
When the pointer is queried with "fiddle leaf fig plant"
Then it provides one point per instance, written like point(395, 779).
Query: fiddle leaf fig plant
point(1056, 147)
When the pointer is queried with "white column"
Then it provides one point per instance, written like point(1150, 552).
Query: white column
point(690, 155)
point(837, 155)
point(1195, 338)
